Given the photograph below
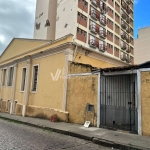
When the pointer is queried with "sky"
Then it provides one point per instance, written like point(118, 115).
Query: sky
point(141, 15)
point(17, 19)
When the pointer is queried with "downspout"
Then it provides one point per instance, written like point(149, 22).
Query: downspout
point(139, 103)
point(76, 48)
point(14, 88)
point(98, 101)
point(26, 93)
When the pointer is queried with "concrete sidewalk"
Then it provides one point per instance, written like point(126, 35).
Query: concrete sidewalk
point(109, 138)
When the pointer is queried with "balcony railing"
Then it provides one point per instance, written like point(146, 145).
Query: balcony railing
point(128, 50)
point(128, 10)
point(103, 8)
point(94, 15)
point(123, 36)
point(128, 2)
point(123, 15)
point(128, 60)
point(93, 43)
point(123, 46)
point(102, 34)
point(102, 47)
point(128, 39)
point(128, 19)
point(124, 4)
point(128, 29)
point(93, 28)
point(122, 57)
point(103, 21)
point(123, 24)
point(96, 3)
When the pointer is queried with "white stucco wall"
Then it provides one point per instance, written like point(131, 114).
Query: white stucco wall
point(45, 9)
point(66, 19)
point(142, 46)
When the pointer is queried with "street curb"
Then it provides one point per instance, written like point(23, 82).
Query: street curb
point(121, 146)
point(98, 141)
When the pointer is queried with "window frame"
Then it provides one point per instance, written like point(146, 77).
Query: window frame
point(32, 79)
point(4, 81)
point(8, 76)
point(22, 79)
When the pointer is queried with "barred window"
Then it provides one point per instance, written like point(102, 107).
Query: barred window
point(23, 80)
point(10, 76)
point(35, 78)
point(4, 77)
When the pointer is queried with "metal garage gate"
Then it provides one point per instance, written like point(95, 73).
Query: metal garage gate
point(118, 107)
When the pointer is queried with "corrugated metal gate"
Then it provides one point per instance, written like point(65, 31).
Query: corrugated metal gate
point(118, 102)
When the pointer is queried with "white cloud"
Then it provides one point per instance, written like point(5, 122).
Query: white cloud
point(2, 39)
point(16, 20)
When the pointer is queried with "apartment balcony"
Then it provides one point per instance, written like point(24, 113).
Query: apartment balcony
point(128, 60)
point(124, 5)
point(102, 47)
point(94, 14)
point(128, 50)
point(123, 36)
point(95, 3)
point(122, 57)
point(128, 10)
point(124, 16)
point(123, 25)
point(93, 29)
point(128, 39)
point(103, 8)
point(93, 43)
point(128, 29)
point(128, 19)
point(123, 46)
point(128, 2)
point(102, 34)
point(103, 21)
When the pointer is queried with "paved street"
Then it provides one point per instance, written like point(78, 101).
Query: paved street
point(20, 137)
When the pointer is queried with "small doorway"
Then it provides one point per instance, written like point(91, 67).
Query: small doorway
point(118, 105)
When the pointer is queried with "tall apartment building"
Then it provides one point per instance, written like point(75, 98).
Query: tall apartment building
point(105, 26)
point(142, 46)
point(45, 19)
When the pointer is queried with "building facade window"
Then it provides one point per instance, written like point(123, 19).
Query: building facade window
point(4, 77)
point(81, 35)
point(10, 76)
point(35, 78)
point(23, 79)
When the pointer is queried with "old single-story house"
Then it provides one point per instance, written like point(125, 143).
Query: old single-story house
point(41, 78)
